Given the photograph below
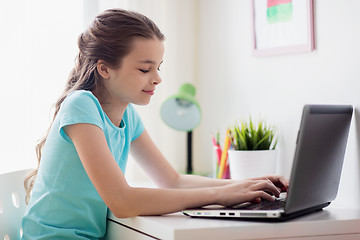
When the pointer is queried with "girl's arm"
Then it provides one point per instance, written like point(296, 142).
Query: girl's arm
point(126, 201)
point(148, 156)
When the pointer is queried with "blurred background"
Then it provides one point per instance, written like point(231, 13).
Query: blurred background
point(209, 43)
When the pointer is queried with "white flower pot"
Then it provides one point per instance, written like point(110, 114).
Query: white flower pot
point(250, 164)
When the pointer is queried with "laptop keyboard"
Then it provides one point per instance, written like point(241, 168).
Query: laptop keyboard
point(266, 205)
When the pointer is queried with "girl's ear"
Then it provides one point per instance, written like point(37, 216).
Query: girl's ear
point(103, 69)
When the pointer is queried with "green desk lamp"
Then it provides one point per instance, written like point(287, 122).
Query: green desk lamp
point(182, 112)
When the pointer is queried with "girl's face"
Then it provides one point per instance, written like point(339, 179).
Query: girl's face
point(136, 79)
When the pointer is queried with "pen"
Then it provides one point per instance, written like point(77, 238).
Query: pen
point(224, 155)
point(215, 143)
point(217, 149)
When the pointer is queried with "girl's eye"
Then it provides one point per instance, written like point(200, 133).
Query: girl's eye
point(144, 70)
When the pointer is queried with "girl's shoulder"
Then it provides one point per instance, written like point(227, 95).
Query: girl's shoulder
point(81, 107)
point(82, 97)
point(80, 94)
point(81, 101)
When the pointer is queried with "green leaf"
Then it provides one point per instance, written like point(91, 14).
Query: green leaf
point(249, 136)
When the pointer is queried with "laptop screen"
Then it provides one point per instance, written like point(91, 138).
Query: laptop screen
point(319, 156)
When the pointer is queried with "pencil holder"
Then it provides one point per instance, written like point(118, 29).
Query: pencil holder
point(250, 164)
point(216, 164)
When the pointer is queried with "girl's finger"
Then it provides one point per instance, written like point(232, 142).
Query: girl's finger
point(267, 185)
point(264, 195)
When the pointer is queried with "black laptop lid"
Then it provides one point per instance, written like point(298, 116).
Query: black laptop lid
point(319, 156)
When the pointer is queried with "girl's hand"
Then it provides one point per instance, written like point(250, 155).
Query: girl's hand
point(251, 190)
point(278, 181)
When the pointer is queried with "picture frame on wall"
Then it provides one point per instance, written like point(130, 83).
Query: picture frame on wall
point(283, 26)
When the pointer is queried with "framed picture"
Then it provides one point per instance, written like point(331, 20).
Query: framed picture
point(283, 26)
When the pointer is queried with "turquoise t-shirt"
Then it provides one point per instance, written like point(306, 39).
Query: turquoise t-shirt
point(64, 203)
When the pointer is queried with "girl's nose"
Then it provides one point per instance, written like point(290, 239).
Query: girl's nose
point(157, 79)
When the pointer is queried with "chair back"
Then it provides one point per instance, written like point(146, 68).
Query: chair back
point(12, 204)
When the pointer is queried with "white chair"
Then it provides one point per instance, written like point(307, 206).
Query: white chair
point(12, 204)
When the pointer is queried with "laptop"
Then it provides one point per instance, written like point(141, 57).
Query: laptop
point(316, 170)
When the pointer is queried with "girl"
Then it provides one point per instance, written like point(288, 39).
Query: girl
point(83, 158)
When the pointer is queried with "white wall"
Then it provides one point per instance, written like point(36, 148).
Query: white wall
point(38, 48)
point(233, 83)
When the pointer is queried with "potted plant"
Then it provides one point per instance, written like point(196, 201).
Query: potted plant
point(252, 152)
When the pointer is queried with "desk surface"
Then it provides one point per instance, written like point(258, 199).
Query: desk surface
point(330, 223)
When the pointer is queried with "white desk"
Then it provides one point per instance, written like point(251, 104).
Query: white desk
point(329, 224)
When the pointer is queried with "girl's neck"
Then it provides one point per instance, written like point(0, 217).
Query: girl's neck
point(115, 112)
point(113, 109)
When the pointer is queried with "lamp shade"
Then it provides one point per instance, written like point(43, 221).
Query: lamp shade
point(181, 111)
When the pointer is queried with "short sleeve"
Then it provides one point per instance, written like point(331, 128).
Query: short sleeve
point(79, 107)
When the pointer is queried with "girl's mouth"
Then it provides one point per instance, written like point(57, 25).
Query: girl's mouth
point(151, 92)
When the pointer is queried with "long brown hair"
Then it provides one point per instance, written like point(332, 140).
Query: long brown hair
point(109, 38)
